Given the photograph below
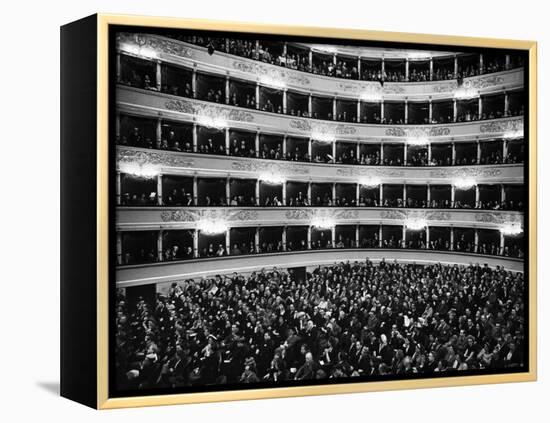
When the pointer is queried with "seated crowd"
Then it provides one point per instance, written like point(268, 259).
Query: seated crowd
point(348, 320)
point(240, 148)
point(183, 250)
point(184, 198)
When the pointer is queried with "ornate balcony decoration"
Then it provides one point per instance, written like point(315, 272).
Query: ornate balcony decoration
point(252, 168)
point(208, 214)
point(261, 166)
point(154, 104)
point(169, 272)
point(131, 156)
point(138, 218)
point(155, 47)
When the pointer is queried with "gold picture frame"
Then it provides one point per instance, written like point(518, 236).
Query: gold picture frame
point(103, 400)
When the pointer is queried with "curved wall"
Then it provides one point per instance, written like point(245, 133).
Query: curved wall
point(170, 162)
point(155, 218)
point(175, 271)
point(160, 105)
point(191, 56)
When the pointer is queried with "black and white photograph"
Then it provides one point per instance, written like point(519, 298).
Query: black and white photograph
point(293, 211)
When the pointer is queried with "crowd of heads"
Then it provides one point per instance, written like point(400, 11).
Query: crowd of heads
point(134, 252)
point(342, 321)
point(241, 147)
point(321, 196)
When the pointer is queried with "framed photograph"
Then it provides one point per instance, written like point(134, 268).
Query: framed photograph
point(257, 211)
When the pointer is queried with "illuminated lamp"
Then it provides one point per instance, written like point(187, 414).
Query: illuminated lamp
point(371, 97)
point(511, 229)
point(212, 122)
point(323, 137)
point(272, 82)
point(419, 55)
point(322, 222)
point(141, 170)
point(370, 182)
point(415, 224)
point(465, 93)
point(272, 178)
point(514, 134)
point(464, 183)
point(212, 227)
point(139, 51)
point(418, 141)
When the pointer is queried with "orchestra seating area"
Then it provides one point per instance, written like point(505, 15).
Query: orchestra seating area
point(343, 320)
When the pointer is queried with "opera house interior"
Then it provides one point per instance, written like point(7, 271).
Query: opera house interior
point(291, 210)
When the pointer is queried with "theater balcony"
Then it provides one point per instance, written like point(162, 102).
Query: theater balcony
point(165, 273)
point(155, 105)
point(158, 63)
point(153, 167)
point(151, 234)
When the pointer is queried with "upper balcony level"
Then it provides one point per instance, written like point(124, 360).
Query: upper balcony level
point(173, 64)
point(146, 162)
point(151, 103)
point(304, 62)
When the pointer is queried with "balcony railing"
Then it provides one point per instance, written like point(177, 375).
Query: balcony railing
point(188, 55)
point(154, 218)
point(148, 103)
point(130, 159)
point(173, 271)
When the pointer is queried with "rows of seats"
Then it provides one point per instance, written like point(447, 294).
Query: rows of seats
point(358, 320)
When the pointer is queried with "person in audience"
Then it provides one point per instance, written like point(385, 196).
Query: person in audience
point(350, 319)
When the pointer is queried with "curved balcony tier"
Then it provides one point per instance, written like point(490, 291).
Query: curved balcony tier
point(169, 51)
point(157, 218)
point(168, 272)
point(148, 103)
point(195, 164)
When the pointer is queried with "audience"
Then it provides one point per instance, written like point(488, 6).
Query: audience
point(346, 320)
